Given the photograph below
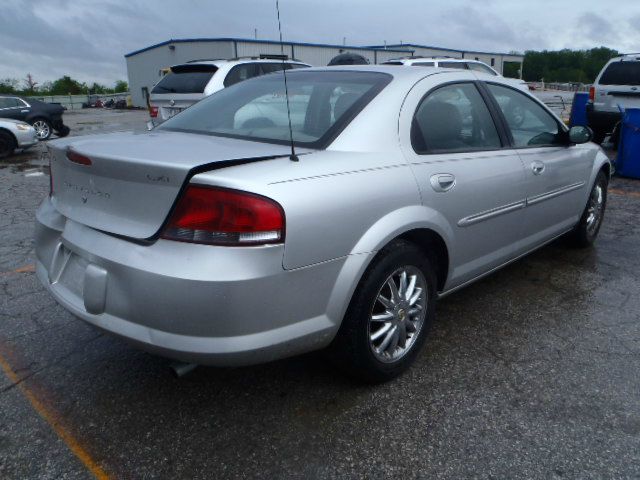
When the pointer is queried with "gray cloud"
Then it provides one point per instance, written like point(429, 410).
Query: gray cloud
point(87, 39)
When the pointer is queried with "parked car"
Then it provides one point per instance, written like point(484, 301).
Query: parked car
point(617, 87)
point(207, 241)
point(460, 63)
point(15, 134)
point(45, 117)
point(190, 82)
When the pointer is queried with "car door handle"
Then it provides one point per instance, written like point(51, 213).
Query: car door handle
point(24, 111)
point(537, 168)
point(442, 182)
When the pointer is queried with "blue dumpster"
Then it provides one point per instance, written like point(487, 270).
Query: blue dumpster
point(579, 110)
point(628, 161)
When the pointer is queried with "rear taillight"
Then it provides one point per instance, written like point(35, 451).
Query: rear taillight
point(153, 111)
point(218, 216)
point(592, 94)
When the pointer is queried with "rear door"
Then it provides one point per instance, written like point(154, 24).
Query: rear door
point(11, 107)
point(618, 86)
point(466, 172)
point(556, 172)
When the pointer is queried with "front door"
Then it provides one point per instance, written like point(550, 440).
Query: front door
point(557, 173)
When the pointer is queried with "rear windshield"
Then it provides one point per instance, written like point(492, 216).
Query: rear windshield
point(321, 103)
point(186, 79)
point(621, 73)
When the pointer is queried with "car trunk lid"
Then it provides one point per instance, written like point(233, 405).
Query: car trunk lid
point(133, 180)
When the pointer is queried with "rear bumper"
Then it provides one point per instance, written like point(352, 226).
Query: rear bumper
point(602, 121)
point(195, 303)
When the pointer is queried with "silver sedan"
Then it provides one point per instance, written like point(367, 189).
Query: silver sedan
point(236, 233)
point(15, 134)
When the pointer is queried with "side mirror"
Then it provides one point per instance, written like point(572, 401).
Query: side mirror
point(580, 134)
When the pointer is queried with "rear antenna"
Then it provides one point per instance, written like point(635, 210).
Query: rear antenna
point(293, 157)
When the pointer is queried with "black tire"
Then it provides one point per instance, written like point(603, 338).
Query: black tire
point(63, 132)
point(7, 144)
point(352, 349)
point(43, 128)
point(585, 233)
point(599, 136)
point(615, 136)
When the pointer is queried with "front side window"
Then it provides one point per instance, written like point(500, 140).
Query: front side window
point(423, 64)
point(530, 124)
point(321, 105)
point(453, 118)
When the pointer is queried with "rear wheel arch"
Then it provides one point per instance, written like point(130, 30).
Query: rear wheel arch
point(434, 246)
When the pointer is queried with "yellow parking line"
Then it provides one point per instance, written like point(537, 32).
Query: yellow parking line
point(25, 269)
point(56, 423)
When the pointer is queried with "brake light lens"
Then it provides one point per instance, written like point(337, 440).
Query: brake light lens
point(592, 94)
point(75, 157)
point(153, 112)
point(217, 216)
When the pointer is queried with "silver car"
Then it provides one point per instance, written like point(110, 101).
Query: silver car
point(207, 240)
point(15, 134)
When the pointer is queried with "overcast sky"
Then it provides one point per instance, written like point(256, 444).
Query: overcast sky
point(87, 39)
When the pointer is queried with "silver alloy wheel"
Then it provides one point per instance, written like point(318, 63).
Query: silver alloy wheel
point(42, 129)
point(594, 210)
point(398, 314)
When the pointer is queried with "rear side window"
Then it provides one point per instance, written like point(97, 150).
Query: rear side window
point(392, 63)
point(242, 72)
point(621, 73)
point(7, 102)
point(423, 64)
point(530, 124)
point(460, 65)
point(186, 79)
point(453, 118)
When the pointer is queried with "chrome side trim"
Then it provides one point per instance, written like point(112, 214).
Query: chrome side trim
point(554, 193)
point(494, 212)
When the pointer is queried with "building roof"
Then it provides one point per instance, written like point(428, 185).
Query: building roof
point(270, 42)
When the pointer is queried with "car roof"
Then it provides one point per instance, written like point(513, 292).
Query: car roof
point(227, 61)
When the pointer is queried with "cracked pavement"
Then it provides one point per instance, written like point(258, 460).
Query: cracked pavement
point(529, 373)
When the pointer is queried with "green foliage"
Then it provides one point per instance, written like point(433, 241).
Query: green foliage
point(566, 65)
point(62, 86)
point(121, 86)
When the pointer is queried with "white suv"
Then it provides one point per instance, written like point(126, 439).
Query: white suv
point(460, 63)
point(190, 82)
point(616, 88)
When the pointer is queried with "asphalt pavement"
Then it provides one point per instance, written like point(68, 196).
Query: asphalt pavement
point(529, 373)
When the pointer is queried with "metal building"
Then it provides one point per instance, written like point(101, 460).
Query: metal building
point(145, 66)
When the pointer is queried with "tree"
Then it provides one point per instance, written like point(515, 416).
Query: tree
point(30, 83)
point(566, 65)
point(121, 86)
point(9, 85)
point(67, 86)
